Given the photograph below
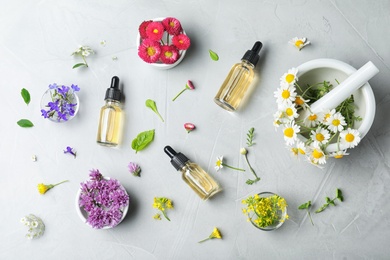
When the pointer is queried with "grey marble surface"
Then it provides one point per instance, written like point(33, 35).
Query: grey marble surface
point(36, 40)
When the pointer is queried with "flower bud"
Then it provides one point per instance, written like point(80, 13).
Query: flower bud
point(243, 151)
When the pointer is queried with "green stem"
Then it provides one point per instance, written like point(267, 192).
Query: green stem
point(179, 94)
point(234, 168)
point(59, 183)
point(250, 167)
point(165, 215)
point(201, 241)
point(311, 220)
point(85, 61)
point(160, 116)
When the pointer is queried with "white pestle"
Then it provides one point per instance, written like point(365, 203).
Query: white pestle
point(345, 89)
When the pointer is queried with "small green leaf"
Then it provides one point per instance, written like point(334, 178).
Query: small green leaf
point(250, 135)
point(25, 123)
point(327, 199)
point(79, 65)
point(213, 55)
point(339, 195)
point(152, 105)
point(142, 140)
point(305, 205)
point(25, 95)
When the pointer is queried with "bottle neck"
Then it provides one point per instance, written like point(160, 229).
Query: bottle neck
point(247, 63)
point(112, 101)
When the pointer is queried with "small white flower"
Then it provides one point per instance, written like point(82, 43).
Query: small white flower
point(325, 115)
point(299, 42)
point(219, 163)
point(336, 123)
point(83, 51)
point(35, 225)
point(301, 147)
point(277, 119)
point(290, 112)
point(300, 101)
point(311, 120)
point(285, 95)
point(34, 158)
point(339, 154)
point(320, 136)
point(290, 77)
point(317, 156)
point(290, 132)
point(350, 137)
point(103, 43)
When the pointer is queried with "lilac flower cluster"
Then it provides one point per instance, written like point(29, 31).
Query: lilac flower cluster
point(103, 200)
point(61, 107)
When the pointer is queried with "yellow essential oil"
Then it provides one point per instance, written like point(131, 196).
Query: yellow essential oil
point(111, 116)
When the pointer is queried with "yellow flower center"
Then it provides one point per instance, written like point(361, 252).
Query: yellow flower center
point(317, 154)
point(338, 156)
point(312, 117)
point(294, 151)
point(285, 94)
point(301, 151)
point(172, 24)
point(181, 41)
point(349, 137)
point(289, 111)
point(336, 122)
point(299, 43)
point(320, 137)
point(289, 132)
point(168, 54)
point(219, 163)
point(151, 51)
point(155, 31)
point(290, 78)
point(298, 101)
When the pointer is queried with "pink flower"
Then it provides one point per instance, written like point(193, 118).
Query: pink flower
point(181, 41)
point(189, 127)
point(169, 54)
point(155, 31)
point(142, 29)
point(149, 51)
point(172, 25)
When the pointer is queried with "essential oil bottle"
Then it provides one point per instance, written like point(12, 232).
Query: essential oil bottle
point(201, 182)
point(111, 116)
point(239, 79)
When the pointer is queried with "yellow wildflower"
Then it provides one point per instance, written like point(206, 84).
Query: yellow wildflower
point(43, 188)
point(157, 217)
point(162, 204)
point(215, 234)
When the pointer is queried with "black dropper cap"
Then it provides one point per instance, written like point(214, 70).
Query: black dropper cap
point(178, 160)
point(252, 56)
point(113, 92)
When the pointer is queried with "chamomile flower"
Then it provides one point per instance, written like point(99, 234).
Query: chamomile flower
point(290, 112)
point(290, 77)
point(317, 156)
point(278, 119)
point(301, 147)
point(327, 114)
point(336, 123)
point(285, 95)
point(338, 154)
point(299, 42)
point(311, 120)
point(290, 132)
point(350, 137)
point(301, 102)
point(320, 136)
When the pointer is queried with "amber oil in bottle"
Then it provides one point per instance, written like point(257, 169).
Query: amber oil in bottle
point(239, 79)
point(111, 116)
point(199, 180)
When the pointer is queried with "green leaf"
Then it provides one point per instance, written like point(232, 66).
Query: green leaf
point(339, 195)
point(327, 199)
point(79, 65)
point(250, 135)
point(213, 55)
point(152, 105)
point(25, 95)
point(142, 140)
point(25, 123)
point(305, 205)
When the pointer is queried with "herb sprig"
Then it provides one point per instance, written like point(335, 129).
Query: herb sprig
point(249, 137)
point(306, 206)
point(339, 196)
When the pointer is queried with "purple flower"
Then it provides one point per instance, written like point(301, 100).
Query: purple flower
point(134, 168)
point(45, 113)
point(62, 106)
point(103, 200)
point(70, 150)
